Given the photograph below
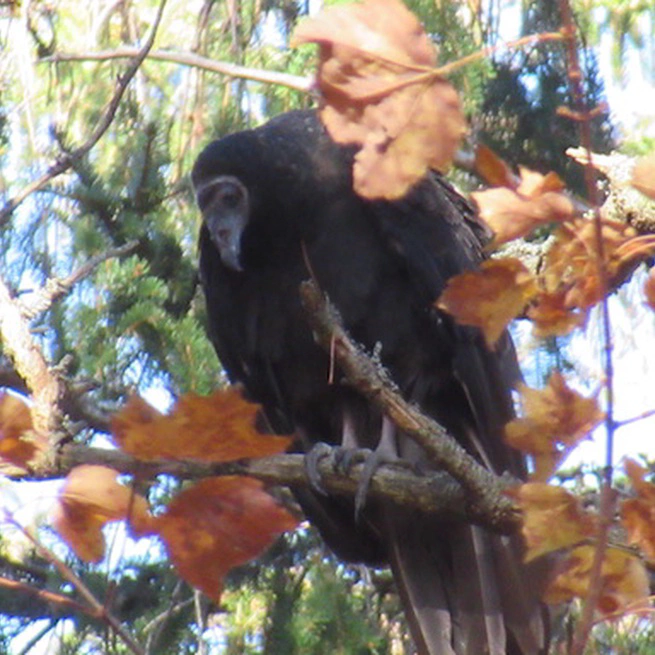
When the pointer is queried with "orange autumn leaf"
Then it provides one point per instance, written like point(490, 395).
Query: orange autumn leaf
point(555, 419)
point(643, 175)
point(638, 514)
point(624, 581)
point(15, 425)
point(553, 518)
point(492, 169)
point(490, 297)
point(571, 264)
point(217, 524)
point(90, 498)
point(381, 91)
point(514, 212)
point(216, 428)
point(551, 317)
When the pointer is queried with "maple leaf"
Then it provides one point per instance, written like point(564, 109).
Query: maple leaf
point(90, 498)
point(553, 518)
point(15, 426)
point(572, 261)
point(638, 514)
point(381, 91)
point(624, 581)
point(514, 212)
point(490, 297)
point(216, 428)
point(555, 419)
point(551, 317)
point(643, 175)
point(217, 524)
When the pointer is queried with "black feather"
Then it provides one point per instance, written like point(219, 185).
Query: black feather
point(382, 264)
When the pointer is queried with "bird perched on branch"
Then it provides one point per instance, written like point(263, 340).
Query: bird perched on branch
point(278, 207)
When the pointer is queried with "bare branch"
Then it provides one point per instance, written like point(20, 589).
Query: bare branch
point(27, 357)
point(435, 493)
point(68, 158)
point(485, 499)
point(295, 82)
point(50, 597)
point(42, 299)
point(95, 608)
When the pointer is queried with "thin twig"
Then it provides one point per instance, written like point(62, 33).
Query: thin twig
point(50, 597)
point(67, 159)
point(583, 115)
point(98, 609)
point(295, 82)
point(40, 300)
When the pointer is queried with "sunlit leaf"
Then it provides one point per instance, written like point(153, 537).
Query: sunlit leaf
point(489, 298)
point(555, 419)
point(217, 524)
point(216, 428)
point(381, 91)
point(90, 498)
point(552, 518)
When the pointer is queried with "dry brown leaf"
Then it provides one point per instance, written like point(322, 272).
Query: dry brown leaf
point(382, 92)
point(553, 518)
point(216, 428)
point(555, 419)
point(643, 175)
point(90, 498)
point(18, 444)
point(624, 581)
point(638, 514)
point(571, 263)
point(217, 524)
point(512, 214)
point(489, 298)
point(492, 169)
point(551, 317)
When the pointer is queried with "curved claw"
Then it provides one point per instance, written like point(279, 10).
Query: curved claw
point(346, 458)
point(317, 452)
point(371, 465)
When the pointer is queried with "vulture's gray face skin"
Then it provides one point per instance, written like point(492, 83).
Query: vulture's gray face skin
point(225, 208)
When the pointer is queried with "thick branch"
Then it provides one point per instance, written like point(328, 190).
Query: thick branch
point(484, 490)
point(189, 59)
point(435, 493)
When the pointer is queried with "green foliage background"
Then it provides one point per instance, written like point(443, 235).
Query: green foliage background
point(138, 321)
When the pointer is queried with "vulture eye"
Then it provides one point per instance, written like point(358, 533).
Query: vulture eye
point(224, 191)
point(230, 195)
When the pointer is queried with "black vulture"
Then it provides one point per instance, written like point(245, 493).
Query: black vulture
point(278, 207)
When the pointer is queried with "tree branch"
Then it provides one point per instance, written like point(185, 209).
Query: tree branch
point(42, 299)
point(484, 490)
point(68, 158)
point(295, 82)
point(27, 356)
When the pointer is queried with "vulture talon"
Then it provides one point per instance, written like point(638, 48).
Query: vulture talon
point(376, 459)
point(346, 458)
point(318, 452)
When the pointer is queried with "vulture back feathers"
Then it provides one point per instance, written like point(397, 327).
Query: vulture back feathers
point(278, 207)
